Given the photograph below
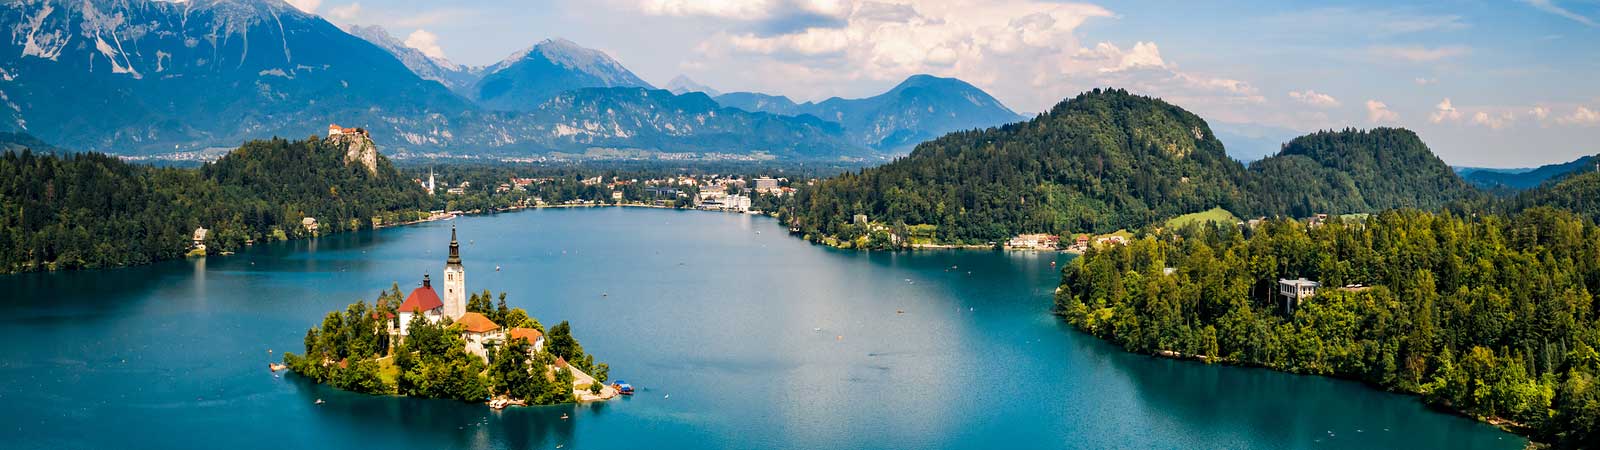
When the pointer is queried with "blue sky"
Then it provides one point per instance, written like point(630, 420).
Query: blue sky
point(1486, 83)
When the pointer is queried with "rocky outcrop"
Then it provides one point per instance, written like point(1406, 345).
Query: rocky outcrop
point(358, 148)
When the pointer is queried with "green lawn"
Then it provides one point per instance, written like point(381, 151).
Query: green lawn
point(1214, 215)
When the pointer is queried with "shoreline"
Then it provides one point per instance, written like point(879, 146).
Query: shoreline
point(1501, 424)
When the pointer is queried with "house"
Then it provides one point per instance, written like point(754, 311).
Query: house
point(534, 337)
point(616, 196)
point(424, 301)
point(1038, 241)
point(479, 332)
point(1294, 292)
point(309, 223)
point(1082, 242)
point(200, 238)
point(766, 184)
point(860, 219)
point(1111, 240)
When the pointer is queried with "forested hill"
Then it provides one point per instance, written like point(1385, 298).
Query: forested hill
point(1101, 161)
point(89, 210)
point(1579, 193)
point(1353, 171)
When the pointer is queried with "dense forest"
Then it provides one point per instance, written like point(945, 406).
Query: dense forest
point(1351, 171)
point(1101, 161)
point(353, 350)
point(1491, 316)
point(87, 210)
point(1109, 160)
point(1578, 192)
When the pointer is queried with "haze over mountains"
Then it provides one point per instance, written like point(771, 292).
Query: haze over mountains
point(142, 77)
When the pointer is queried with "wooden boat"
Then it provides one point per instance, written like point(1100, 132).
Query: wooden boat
point(276, 366)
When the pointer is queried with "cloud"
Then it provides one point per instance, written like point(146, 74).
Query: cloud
point(1444, 111)
point(1417, 53)
point(1550, 7)
point(1540, 112)
point(426, 42)
point(1378, 112)
point(1426, 81)
point(1314, 98)
point(747, 10)
point(1363, 21)
point(1027, 51)
point(1493, 121)
point(345, 13)
point(1583, 116)
point(309, 6)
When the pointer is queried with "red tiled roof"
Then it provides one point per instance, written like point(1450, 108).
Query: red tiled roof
point(477, 323)
point(422, 298)
point(530, 334)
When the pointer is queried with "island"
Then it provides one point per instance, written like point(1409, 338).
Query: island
point(456, 346)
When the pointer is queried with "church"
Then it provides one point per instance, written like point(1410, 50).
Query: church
point(479, 332)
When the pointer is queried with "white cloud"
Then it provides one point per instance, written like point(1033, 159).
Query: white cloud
point(1314, 98)
point(1540, 112)
point(1017, 49)
point(1426, 81)
point(1550, 7)
point(1493, 121)
point(1418, 54)
point(1444, 111)
point(1378, 112)
point(309, 6)
point(426, 42)
point(345, 13)
point(745, 9)
point(1583, 116)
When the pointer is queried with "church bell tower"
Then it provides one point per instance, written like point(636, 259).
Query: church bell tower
point(455, 281)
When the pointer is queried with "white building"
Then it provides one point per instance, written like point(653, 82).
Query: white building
point(455, 281)
point(1294, 292)
point(424, 301)
point(480, 333)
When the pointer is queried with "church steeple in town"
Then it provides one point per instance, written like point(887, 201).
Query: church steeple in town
point(455, 280)
point(455, 248)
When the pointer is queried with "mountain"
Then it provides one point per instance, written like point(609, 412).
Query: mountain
point(529, 77)
point(1578, 192)
point(454, 76)
point(1251, 142)
point(1529, 179)
point(140, 76)
point(654, 119)
point(1101, 161)
point(1353, 171)
point(682, 85)
point(918, 109)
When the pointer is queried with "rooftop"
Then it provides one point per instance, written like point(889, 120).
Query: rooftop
point(477, 323)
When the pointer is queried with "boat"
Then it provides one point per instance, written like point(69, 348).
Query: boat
point(276, 366)
point(622, 387)
point(319, 402)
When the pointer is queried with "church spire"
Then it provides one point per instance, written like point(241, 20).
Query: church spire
point(455, 248)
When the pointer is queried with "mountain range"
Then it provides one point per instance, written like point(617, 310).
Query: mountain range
point(148, 77)
point(1529, 178)
point(920, 108)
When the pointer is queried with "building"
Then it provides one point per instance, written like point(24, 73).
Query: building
point(455, 281)
point(766, 184)
point(310, 224)
point(1039, 241)
point(1294, 292)
point(200, 238)
point(1111, 240)
point(480, 333)
point(335, 130)
point(423, 301)
point(859, 219)
point(534, 337)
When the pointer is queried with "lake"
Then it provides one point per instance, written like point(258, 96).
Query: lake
point(737, 335)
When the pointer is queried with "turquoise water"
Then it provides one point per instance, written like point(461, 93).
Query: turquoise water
point(713, 316)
